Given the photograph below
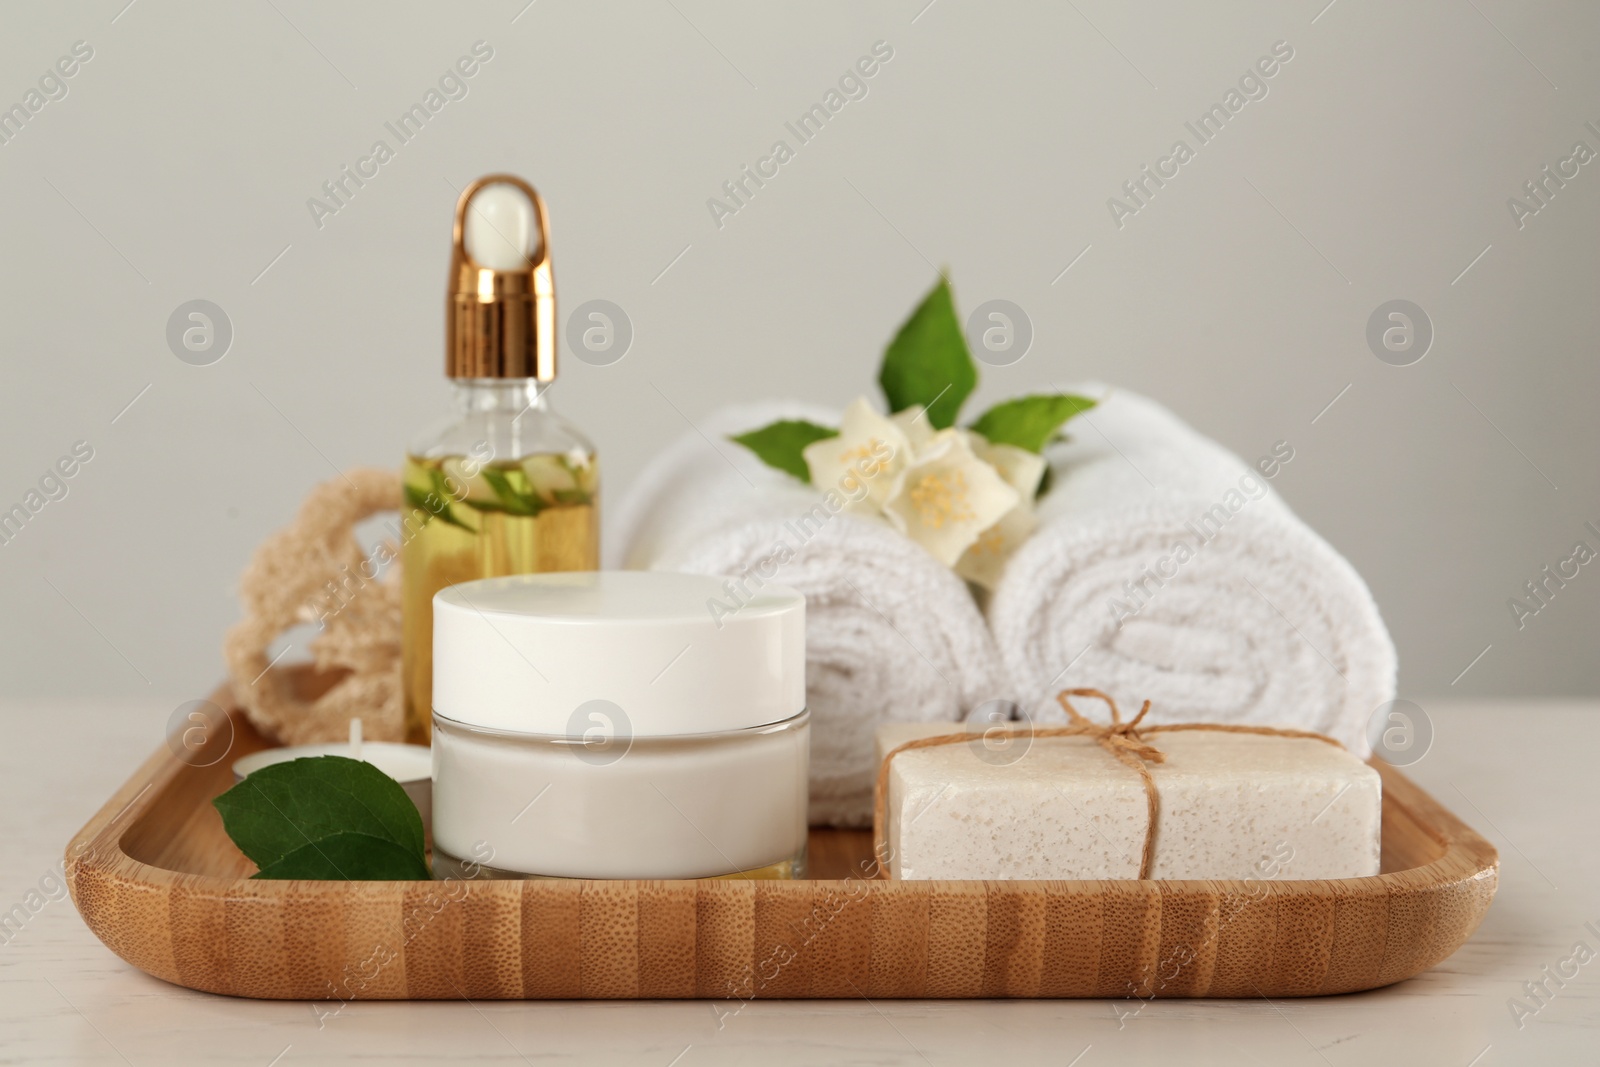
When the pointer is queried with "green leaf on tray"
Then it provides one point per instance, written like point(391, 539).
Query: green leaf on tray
point(513, 502)
point(1029, 421)
point(783, 443)
point(325, 817)
point(354, 857)
point(928, 363)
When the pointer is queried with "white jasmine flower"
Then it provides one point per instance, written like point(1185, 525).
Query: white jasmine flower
point(945, 497)
point(985, 561)
point(1021, 469)
point(862, 461)
point(913, 422)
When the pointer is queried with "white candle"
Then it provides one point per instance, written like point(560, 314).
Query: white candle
point(410, 765)
point(403, 763)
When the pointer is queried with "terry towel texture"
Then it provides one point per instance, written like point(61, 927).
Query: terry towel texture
point(891, 635)
point(1166, 569)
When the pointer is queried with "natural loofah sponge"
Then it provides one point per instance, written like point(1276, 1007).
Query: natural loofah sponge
point(314, 570)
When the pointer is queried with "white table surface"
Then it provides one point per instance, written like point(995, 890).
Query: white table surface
point(1523, 774)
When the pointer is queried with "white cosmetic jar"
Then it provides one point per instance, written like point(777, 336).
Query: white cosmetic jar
point(619, 724)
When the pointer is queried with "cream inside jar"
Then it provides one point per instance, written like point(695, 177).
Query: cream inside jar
point(619, 724)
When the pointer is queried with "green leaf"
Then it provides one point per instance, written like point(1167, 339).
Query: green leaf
point(334, 858)
point(573, 496)
point(441, 490)
point(488, 505)
point(1029, 421)
point(430, 505)
point(419, 501)
point(325, 817)
point(514, 502)
point(928, 363)
point(783, 443)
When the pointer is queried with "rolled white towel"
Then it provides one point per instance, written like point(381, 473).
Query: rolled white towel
point(891, 635)
point(1165, 568)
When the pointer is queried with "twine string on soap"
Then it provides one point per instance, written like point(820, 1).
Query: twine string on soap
point(1123, 740)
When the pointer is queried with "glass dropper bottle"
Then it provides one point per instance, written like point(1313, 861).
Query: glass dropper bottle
point(504, 485)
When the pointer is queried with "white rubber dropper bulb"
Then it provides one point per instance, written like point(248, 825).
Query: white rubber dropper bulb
point(501, 232)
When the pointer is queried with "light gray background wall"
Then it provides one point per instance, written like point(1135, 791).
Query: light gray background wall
point(1378, 167)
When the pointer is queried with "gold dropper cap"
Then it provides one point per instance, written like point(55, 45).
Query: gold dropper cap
point(501, 323)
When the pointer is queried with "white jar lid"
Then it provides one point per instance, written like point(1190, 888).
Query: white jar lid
point(641, 653)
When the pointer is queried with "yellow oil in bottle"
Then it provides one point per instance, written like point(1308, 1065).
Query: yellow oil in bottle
point(464, 520)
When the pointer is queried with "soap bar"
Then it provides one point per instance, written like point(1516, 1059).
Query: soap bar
point(1233, 806)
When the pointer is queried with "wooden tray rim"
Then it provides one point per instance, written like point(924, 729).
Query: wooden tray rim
point(1465, 871)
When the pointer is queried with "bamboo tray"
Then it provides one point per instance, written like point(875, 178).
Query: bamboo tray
point(156, 879)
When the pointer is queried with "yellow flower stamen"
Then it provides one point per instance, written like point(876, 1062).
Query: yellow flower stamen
point(871, 464)
point(939, 500)
point(990, 542)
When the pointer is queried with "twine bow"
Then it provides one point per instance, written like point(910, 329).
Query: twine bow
point(1122, 740)
point(1125, 741)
